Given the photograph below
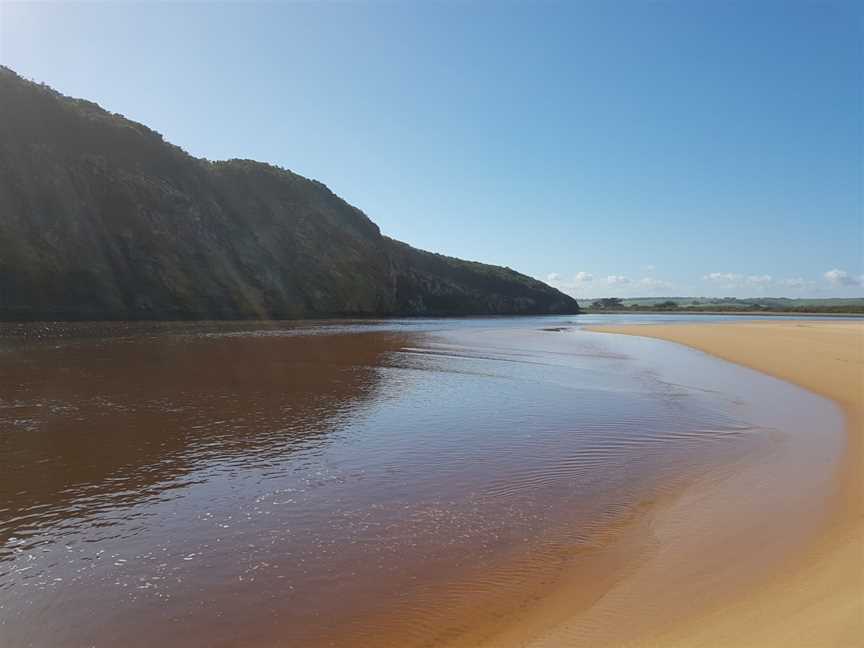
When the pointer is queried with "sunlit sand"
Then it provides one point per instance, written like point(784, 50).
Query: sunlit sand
point(817, 598)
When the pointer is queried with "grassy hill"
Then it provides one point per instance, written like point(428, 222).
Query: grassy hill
point(100, 218)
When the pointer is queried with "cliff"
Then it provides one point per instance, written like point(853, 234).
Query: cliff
point(100, 218)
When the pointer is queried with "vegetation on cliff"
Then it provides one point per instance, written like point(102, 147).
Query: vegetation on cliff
point(100, 218)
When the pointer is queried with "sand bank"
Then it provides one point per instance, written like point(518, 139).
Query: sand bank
point(766, 551)
point(817, 598)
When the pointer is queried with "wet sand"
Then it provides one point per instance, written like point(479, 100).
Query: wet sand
point(816, 596)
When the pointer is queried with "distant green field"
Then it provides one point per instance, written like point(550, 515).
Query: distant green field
point(735, 301)
point(730, 304)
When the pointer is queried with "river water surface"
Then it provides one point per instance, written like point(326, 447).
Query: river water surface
point(347, 484)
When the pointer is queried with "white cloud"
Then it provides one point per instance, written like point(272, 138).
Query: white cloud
point(759, 280)
point(795, 282)
point(650, 268)
point(654, 284)
point(585, 285)
point(735, 279)
point(723, 277)
point(838, 278)
point(571, 285)
point(578, 279)
point(739, 283)
point(617, 280)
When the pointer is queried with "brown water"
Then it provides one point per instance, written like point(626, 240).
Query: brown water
point(355, 485)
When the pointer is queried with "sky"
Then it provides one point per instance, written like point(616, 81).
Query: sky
point(610, 148)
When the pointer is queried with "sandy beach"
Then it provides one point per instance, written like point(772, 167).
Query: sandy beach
point(817, 597)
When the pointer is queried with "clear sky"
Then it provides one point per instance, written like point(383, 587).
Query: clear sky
point(612, 148)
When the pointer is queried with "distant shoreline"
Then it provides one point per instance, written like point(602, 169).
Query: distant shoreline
point(685, 311)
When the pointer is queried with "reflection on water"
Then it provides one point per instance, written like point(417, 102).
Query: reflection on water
point(234, 484)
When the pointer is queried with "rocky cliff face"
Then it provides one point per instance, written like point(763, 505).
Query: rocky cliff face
point(100, 218)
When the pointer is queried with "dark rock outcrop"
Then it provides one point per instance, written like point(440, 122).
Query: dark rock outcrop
point(100, 218)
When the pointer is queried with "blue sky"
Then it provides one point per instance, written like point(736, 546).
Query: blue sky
point(612, 148)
